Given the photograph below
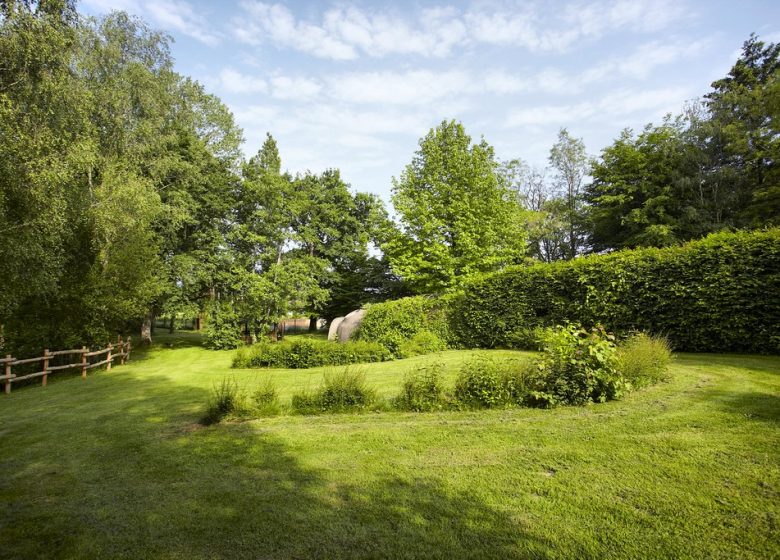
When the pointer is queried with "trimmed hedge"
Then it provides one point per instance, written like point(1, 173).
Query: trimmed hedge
point(394, 323)
point(308, 353)
point(721, 293)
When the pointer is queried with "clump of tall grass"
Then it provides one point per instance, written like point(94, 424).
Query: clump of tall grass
point(226, 400)
point(343, 390)
point(643, 359)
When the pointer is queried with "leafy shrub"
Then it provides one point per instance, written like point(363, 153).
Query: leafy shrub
point(223, 331)
point(266, 399)
point(480, 384)
point(308, 352)
point(422, 390)
point(642, 359)
point(341, 391)
point(424, 342)
point(721, 293)
point(393, 323)
point(576, 367)
point(226, 400)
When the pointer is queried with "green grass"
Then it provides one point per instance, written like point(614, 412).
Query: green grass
point(118, 467)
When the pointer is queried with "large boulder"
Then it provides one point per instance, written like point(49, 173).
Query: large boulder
point(333, 333)
point(350, 324)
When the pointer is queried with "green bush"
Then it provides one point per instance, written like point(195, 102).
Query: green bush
point(308, 352)
point(577, 367)
point(721, 293)
point(480, 385)
point(226, 400)
point(342, 391)
point(223, 331)
point(642, 359)
point(424, 342)
point(394, 323)
point(422, 390)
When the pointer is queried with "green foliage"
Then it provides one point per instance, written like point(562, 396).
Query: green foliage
point(480, 384)
point(577, 367)
point(424, 342)
point(457, 216)
point(266, 399)
point(308, 352)
point(342, 391)
point(226, 400)
point(643, 359)
point(422, 390)
point(394, 324)
point(223, 331)
point(718, 294)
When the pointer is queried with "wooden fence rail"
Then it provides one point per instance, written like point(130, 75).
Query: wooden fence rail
point(120, 351)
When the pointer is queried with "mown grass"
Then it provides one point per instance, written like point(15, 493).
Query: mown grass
point(119, 467)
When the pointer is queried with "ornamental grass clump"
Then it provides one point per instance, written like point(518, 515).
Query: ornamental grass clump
point(643, 359)
point(342, 391)
point(422, 390)
point(226, 400)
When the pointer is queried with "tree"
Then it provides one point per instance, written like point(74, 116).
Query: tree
point(570, 165)
point(457, 217)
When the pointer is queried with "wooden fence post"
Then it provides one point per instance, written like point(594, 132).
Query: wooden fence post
point(45, 366)
point(83, 362)
point(127, 349)
point(121, 346)
point(108, 365)
point(8, 374)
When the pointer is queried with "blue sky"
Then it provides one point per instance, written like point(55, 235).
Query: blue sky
point(354, 85)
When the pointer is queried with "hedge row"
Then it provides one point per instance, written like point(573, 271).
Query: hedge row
point(721, 293)
point(308, 353)
point(394, 323)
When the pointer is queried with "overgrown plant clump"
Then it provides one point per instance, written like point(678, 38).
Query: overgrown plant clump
point(577, 367)
point(342, 391)
point(226, 400)
point(643, 359)
point(308, 353)
point(484, 383)
point(266, 399)
point(423, 390)
point(424, 342)
point(223, 331)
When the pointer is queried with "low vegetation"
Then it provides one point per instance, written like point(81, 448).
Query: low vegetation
point(342, 391)
point(302, 352)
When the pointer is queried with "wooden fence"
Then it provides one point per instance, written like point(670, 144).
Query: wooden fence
point(119, 351)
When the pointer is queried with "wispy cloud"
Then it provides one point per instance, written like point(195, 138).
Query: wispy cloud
point(346, 32)
point(173, 15)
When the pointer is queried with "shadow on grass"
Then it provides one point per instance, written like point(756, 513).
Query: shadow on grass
point(124, 471)
point(751, 405)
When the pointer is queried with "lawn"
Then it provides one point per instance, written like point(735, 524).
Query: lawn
point(118, 467)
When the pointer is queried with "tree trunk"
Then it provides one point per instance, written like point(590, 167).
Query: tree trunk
point(146, 329)
point(171, 327)
point(313, 323)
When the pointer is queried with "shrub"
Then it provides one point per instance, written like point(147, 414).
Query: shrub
point(223, 331)
point(266, 400)
point(393, 323)
point(424, 342)
point(643, 358)
point(576, 367)
point(226, 400)
point(721, 293)
point(341, 391)
point(422, 390)
point(480, 384)
point(308, 352)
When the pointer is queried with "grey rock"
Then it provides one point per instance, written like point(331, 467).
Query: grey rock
point(334, 327)
point(350, 324)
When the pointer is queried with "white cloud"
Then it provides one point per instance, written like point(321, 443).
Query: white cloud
point(417, 87)
point(172, 15)
point(285, 87)
point(619, 104)
point(345, 31)
point(233, 81)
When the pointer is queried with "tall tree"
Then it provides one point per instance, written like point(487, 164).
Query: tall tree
point(570, 165)
point(457, 217)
